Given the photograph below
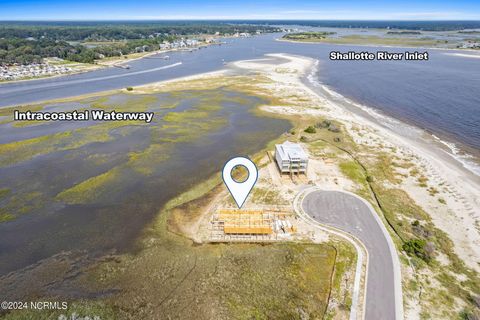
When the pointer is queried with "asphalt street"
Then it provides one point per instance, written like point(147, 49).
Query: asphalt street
point(351, 214)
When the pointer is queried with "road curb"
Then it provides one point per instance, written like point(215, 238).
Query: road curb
point(351, 238)
point(397, 273)
point(358, 245)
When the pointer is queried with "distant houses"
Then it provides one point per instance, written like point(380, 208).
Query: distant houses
point(183, 43)
point(470, 45)
point(16, 72)
point(143, 48)
point(34, 70)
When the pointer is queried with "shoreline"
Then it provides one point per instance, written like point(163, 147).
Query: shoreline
point(438, 164)
point(95, 67)
point(457, 214)
point(460, 152)
point(444, 172)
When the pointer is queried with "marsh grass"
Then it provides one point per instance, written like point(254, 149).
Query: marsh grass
point(23, 150)
point(240, 281)
point(5, 216)
point(4, 192)
point(90, 189)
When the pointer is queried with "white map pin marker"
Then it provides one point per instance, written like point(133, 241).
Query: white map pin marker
point(240, 190)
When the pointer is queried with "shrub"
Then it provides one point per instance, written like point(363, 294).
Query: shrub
point(310, 129)
point(303, 139)
point(129, 89)
point(417, 247)
point(470, 315)
point(323, 124)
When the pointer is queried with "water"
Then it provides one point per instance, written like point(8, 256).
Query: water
point(118, 213)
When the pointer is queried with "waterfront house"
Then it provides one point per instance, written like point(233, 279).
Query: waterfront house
point(291, 158)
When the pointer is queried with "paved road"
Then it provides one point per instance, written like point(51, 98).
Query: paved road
point(349, 213)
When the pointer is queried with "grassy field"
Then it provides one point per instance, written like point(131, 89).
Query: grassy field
point(175, 280)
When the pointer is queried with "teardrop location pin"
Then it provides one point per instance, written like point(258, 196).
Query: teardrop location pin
point(240, 190)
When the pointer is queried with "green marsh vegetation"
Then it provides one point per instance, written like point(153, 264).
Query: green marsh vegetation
point(184, 112)
point(200, 116)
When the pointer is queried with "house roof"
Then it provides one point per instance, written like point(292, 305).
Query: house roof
point(289, 150)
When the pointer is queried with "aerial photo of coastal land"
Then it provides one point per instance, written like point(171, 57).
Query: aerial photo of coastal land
point(239, 160)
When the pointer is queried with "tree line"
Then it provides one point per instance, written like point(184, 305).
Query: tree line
point(91, 31)
point(30, 42)
point(23, 51)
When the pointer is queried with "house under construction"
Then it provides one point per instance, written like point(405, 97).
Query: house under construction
point(250, 225)
point(291, 158)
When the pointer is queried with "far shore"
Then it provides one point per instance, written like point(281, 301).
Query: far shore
point(102, 63)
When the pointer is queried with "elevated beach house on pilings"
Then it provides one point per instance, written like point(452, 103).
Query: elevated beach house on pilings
point(291, 158)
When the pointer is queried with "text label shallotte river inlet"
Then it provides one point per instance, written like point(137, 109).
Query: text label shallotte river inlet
point(378, 55)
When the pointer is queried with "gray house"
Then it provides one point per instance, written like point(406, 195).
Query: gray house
point(291, 158)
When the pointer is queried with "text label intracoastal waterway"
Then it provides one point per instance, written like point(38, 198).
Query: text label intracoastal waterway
point(83, 115)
